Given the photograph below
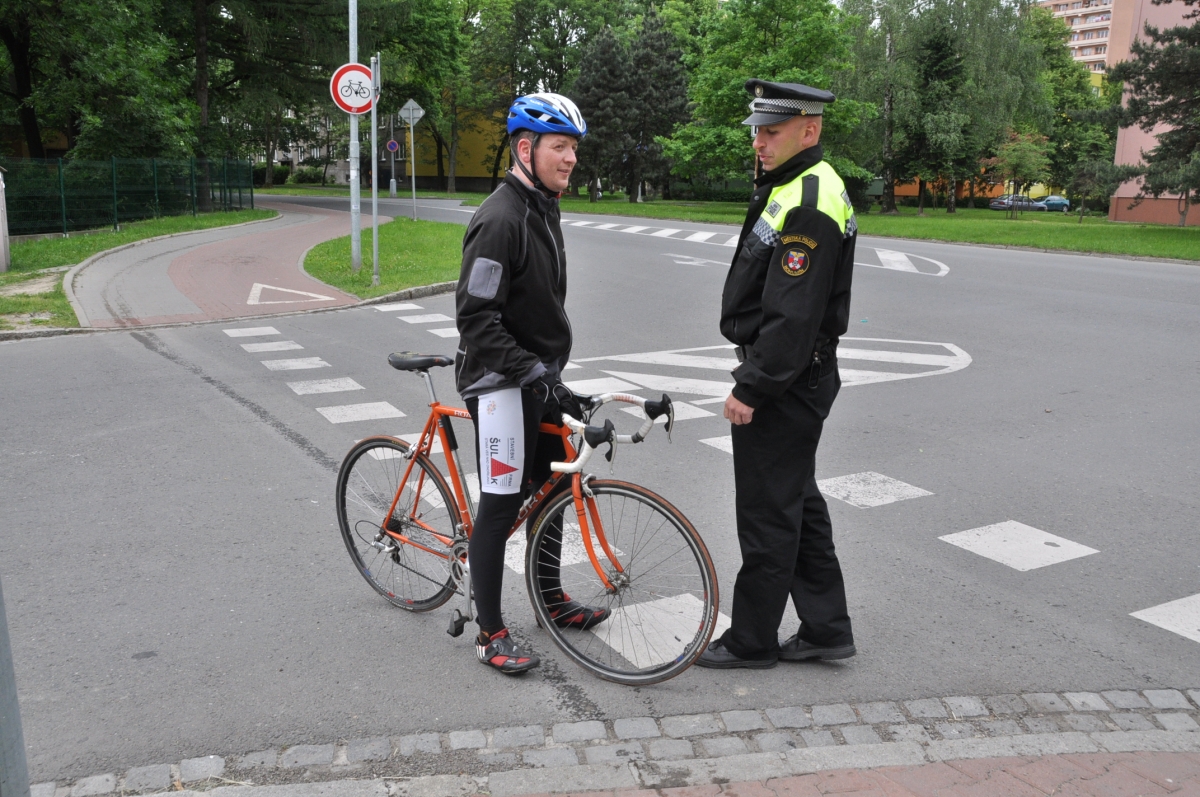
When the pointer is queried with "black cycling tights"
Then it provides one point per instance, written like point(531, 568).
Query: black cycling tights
point(495, 516)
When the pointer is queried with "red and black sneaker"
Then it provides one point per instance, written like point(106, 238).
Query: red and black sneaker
point(572, 614)
point(501, 652)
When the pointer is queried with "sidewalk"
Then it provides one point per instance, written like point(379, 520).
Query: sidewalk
point(1074, 743)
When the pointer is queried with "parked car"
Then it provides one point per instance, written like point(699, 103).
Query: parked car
point(1055, 202)
point(1007, 201)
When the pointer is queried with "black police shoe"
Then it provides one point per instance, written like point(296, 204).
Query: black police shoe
point(796, 649)
point(719, 657)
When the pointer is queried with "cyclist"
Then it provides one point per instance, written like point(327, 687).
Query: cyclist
point(515, 341)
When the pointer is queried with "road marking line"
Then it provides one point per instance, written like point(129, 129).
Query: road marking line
point(371, 411)
point(275, 345)
point(447, 332)
point(869, 489)
point(899, 261)
point(689, 260)
point(606, 226)
point(907, 357)
point(298, 364)
point(424, 319)
point(573, 552)
point(676, 384)
point(257, 289)
point(582, 223)
point(683, 412)
point(633, 629)
point(312, 386)
point(733, 241)
point(633, 229)
point(394, 306)
point(726, 364)
point(664, 233)
point(571, 365)
point(700, 236)
point(251, 332)
point(593, 387)
point(1018, 546)
point(720, 443)
point(1180, 617)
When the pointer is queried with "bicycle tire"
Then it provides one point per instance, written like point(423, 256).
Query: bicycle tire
point(368, 481)
point(661, 620)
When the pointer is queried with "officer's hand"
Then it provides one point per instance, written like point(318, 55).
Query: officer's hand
point(737, 412)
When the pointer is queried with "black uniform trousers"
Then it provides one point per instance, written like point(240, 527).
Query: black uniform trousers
point(783, 525)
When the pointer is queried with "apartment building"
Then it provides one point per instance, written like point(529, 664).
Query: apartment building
point(1091, 24)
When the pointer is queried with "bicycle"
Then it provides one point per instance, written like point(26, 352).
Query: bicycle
point(356, 88)
point(610, 544)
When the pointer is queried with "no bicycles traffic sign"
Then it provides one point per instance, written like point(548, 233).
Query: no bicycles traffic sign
point(352, 88)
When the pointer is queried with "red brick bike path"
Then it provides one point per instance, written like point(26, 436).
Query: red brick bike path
point(214, 277)
point(1072, 775)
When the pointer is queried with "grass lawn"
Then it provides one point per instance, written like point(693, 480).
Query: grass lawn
point(1042, 230)
point(305, 189)
point(45, 260)
point(411, 253)
point(1039, 229)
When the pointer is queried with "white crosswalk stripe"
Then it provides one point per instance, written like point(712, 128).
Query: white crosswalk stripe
point(251, 332)
point(298, 364)
point(370, 411)
point(313, 386)
point(1018, 546)
point(275, 345)
point(424, 319)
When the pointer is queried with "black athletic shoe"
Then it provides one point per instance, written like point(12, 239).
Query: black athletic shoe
point(572, 614)
point(796, 649)
point(502, 653)
point(719, 657)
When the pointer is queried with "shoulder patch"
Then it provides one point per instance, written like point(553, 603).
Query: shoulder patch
point(795, 261)
point(801, 239)
point(773, 209)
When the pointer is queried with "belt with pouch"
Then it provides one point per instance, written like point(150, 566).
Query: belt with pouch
point(824, 361)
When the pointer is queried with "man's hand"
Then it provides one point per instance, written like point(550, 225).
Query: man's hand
point(736, 412)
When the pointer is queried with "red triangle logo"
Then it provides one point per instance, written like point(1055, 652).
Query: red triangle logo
point(500, 469)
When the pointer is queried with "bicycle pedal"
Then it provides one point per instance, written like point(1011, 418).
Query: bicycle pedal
point(457, 624)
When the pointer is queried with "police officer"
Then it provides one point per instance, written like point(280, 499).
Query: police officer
point(785, 304)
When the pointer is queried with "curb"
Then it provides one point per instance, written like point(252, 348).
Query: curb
point(418, 292)
point(69, 277)
point(685, 750)
point(1140, 258)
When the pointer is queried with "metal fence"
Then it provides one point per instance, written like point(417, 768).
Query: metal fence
point(56, 195)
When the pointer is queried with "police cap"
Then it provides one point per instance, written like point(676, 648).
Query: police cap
point(777, 102)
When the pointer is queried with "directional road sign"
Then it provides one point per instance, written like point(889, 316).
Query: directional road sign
point(411, 113)
point(351, 88)
point(392, 146)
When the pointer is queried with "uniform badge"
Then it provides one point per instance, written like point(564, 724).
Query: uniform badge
point(773, 208)
point(758, 91)
point(795, 262)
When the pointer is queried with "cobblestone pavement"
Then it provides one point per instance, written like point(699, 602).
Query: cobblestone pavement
point(1112, 743)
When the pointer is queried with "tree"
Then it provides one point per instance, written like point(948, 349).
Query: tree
point(1022, 160)
point(602, 94)
point(657, 102)
point(1162, 82)
point(1096, 179)
point(794, 41)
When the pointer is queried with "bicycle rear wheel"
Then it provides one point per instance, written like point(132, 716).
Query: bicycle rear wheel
point(413, 573)
point(662, 602)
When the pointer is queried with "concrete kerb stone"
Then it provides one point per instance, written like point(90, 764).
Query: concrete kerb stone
point(1073, 722)
point(43, 789)
point(1167, 698)
point(561, 779)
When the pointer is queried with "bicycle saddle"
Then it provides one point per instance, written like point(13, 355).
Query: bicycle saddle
point(408, 361)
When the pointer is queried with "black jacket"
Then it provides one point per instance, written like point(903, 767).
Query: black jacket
point(511, 292)
point(783, 320)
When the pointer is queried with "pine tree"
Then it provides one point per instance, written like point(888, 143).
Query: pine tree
point(658, 99)
point(601, 92)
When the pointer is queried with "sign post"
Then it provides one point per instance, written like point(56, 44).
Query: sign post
point(374, 170)
point(351, 89)
point(411, 113)
point(392, 146)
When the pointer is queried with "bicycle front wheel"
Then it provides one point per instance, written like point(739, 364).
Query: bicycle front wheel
point(411, 566)
point(661, 596)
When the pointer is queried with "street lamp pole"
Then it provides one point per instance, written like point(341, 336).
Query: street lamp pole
point(355, 194)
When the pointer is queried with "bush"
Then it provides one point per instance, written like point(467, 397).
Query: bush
point(260, 175)
point(307, 174)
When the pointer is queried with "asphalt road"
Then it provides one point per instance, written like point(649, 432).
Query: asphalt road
point(176, 584)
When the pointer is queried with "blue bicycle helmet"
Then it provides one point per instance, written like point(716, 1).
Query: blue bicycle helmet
point(546, 113)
